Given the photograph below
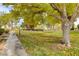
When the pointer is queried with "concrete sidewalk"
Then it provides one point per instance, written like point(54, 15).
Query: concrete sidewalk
point(13, 46)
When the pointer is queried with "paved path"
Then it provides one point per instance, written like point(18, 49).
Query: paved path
point(13, 46)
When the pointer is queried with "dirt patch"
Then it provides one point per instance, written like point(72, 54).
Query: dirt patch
point(1, 46)
point(56, 47)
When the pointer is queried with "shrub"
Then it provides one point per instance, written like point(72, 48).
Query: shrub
point(1, 31)
point(6, 31)
point(78, 26)
point(72, 27)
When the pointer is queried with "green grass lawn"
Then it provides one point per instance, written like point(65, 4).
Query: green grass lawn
point(48, 43)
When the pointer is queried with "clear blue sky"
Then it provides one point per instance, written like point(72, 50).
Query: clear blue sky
point(4, 8)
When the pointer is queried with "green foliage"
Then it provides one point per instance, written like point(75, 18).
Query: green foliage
point(70, 8)
point(78, 26)
point(32, 13)
point(1, 31)
point(52, 20)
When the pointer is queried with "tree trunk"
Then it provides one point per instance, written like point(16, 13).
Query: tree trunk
point(53, 27)
point(66, 33)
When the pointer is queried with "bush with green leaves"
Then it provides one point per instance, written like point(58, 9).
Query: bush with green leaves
point(78, 26)
point(1, 31)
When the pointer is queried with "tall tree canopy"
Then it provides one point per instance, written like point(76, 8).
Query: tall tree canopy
point(33, 13)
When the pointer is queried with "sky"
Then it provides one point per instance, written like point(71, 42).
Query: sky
point(4, 8)
point(76, 22)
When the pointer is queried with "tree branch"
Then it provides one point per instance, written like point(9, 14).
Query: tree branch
point(64, 11)
point(75, 14)
point(55, 7)
point(56, 16)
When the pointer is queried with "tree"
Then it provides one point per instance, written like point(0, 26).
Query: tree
point(29, 12)
point(67, 15)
